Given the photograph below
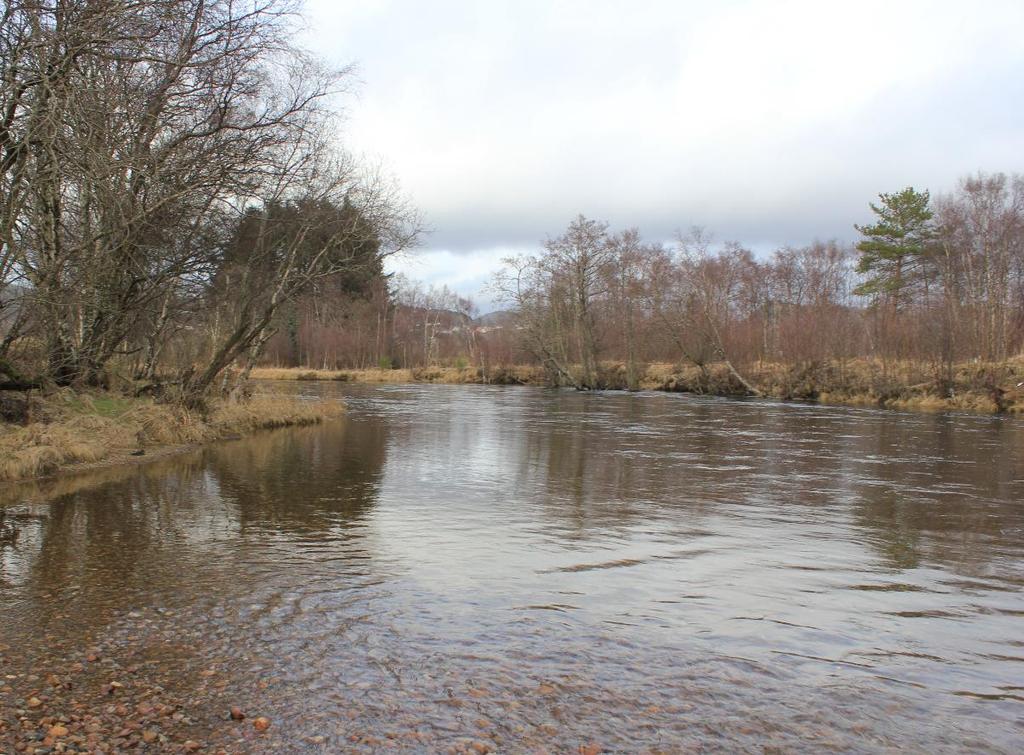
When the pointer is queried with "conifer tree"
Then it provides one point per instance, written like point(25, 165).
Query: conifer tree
point(894, 250)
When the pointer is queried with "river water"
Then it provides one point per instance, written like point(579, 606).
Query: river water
point(522, 569)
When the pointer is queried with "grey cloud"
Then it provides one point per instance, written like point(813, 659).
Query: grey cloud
point(767, 123)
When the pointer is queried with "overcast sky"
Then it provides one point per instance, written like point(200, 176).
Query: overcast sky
point(770, 123)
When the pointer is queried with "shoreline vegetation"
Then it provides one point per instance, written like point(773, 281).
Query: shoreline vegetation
point(979, 388)
point(64, 432)
point(70, 432)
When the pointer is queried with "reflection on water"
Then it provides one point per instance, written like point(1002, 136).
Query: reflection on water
point(534, 567)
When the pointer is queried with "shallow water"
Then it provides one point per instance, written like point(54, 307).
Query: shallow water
point(526, 568)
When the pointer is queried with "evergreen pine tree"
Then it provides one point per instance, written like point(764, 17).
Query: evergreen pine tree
point(894, 250)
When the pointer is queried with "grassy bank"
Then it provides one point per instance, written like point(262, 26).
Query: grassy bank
point(72, 431)
point(975, 387)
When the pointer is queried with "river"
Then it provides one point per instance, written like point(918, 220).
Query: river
point(521, 569)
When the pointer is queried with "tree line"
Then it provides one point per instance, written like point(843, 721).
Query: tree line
point(171, 182)
point(936, 280)
point(933, 281)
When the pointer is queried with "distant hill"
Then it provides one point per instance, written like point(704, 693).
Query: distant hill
point(499, 318)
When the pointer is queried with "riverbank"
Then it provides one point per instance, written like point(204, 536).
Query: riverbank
point(71, 432)
point(523, 374)
point(975, 387)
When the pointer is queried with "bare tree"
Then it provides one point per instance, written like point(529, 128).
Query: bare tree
point(707, 284)
point(630, 276)
point(539, 302)
point(557, 292)
point(982, 242)
point(135, 137)
point(284, 247)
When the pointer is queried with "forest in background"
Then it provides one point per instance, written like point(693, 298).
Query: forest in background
point(932, 296)
point(934, 282)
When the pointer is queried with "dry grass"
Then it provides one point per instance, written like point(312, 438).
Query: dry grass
point(264, 411)
point(78, 429)
point(976, 387)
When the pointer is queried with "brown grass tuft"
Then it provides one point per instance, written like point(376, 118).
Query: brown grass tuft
point(83, 429)
point(269, 411)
